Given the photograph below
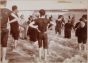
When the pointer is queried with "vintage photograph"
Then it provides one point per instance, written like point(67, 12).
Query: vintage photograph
point(43, 31)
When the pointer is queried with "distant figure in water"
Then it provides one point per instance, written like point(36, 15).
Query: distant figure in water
point(32, 31)
point(23, 27)
point(67, 30)
point(59, 24)
point(50, 26)
point(73, 21)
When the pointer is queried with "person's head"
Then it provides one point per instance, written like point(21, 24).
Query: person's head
point(46, 16)
point(69, 21)
point(82, 22)
point(69, 17)
point(81, 19)
point(14, 8)
point(73, 17)
point(22, 16)
point(60, 16)
point(50, 18)
point(84, 18)
point(3, 3)
point(42, 12)
point(31, 17)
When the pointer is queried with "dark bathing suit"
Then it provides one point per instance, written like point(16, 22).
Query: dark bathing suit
point(42, 37)
point(14, 28)
point(3, 25)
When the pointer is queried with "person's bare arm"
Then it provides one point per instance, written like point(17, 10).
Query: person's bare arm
point(15, 18)
point(12, 21)
point(12, 14)
point(32, 25)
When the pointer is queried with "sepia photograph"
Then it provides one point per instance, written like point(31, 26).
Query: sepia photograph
point(43, 31)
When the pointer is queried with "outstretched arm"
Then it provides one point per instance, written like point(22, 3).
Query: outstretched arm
point(32, 25)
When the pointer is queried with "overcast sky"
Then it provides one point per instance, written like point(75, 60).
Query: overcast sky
point(45, 4)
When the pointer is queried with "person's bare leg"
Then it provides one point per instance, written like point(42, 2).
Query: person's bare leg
point(13, 42)
point(4, 49)
point(15, 45)
point(40, 53)
point(16, 41)
point(85, 47)
point(45, 53)
point(80, 46)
